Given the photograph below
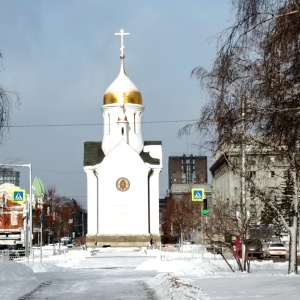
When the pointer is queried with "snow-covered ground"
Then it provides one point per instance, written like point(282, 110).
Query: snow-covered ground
point(205, 277)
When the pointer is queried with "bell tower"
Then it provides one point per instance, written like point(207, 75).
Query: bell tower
point(122, 103)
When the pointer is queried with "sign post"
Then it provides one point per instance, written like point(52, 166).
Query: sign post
point(198, 195)
point(42, 219)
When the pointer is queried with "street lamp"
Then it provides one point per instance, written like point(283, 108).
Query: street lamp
point(28, 241)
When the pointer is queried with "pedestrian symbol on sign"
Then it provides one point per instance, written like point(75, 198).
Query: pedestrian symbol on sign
point(197, 194)
point(19, 196)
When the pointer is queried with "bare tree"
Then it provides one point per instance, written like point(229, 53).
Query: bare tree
point(182, 217)
point(254, 95)
point(57, 213)
point(221, 222)
point(6, 100)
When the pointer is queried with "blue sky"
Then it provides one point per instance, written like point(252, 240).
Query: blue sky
point(60, 56)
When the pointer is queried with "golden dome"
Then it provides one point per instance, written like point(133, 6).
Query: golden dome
point(122, 90)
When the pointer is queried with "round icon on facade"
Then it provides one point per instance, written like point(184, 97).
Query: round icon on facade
point(122, 184)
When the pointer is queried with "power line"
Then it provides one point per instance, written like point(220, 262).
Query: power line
point(91, 124)
point(60, 172)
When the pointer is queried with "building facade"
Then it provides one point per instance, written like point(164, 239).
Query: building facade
point(187, 170)
point(265, 174)
point(8, 175)
point(11, 219)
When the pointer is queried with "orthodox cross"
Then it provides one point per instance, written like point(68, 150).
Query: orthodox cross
point(122, 33)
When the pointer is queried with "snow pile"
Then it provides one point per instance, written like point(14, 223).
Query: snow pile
point(171, 287)
point(195, 267)
point(46, 267)
point(15, 280)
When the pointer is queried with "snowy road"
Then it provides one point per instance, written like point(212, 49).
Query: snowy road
point(134, 274)
point(96, 278)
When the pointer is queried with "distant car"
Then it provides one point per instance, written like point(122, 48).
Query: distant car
point(277, 249)
point(254, 247)
point(170, 245)
point(265, 246)
point(186, 243)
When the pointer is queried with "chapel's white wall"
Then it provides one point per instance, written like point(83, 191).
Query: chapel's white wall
point(154, 201)
point(155, 151)
point(123, 212)
point(91, 201)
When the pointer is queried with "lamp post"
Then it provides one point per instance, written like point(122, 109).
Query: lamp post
point(28, 243)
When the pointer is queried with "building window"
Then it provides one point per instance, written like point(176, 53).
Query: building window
point(14, 219)
point(270, 160)
point(252, 210)
point(286, 161)
point(252, 174)
point(235, 161)
point(237, 209)
point(272, 173)
point(134, 123)
point(183, 178)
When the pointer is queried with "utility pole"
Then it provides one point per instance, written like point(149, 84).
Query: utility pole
point(243, 211)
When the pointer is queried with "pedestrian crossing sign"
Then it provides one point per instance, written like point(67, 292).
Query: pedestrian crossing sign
point(197, 194)
point(19, 196)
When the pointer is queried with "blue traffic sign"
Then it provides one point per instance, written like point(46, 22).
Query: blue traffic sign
point(19, 196)
point(197, 194)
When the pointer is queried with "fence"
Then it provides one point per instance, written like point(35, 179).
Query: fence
point(184, 252)
point(56, 256)
point(189, 252)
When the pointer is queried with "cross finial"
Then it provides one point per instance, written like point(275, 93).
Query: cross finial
point(122, 33)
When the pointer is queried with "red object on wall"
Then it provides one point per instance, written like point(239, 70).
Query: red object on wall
point(238, 248)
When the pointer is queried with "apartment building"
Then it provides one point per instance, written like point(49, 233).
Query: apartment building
point(187, 169)
point(265, 173)
point(8, 175)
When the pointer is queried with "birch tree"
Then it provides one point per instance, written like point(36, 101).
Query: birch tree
point(6, 100)
point(253, 91)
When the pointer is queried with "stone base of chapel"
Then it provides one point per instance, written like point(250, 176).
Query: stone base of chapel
point(116, 240)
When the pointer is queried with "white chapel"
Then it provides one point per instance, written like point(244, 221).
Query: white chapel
point(122, 171)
